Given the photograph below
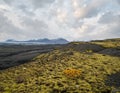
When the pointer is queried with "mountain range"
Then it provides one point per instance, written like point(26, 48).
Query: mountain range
point(39, 41)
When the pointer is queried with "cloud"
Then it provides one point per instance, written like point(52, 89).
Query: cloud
point(61, 16)
point(89, 9)
point(41, 3)
point(118, 1)
point(112, 21)
point(8, 1)
point(69, 19)
point(8, 30)
point(34, 3)
point(110, 17)
point(35, 27)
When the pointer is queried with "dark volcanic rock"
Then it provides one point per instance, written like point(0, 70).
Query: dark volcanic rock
point(85, 46)
point(14, 55)
point(111, 51)
point(113, 80)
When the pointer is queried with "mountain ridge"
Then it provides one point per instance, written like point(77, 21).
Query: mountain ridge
point(40, 41)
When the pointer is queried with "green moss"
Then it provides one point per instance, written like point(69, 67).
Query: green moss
point(110, 43)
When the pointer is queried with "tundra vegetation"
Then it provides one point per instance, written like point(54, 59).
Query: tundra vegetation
point(77, 67)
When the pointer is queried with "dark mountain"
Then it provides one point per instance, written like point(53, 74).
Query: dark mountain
point(39, 41)
point(10, 40)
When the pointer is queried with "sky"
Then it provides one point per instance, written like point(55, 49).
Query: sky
point(74, 20)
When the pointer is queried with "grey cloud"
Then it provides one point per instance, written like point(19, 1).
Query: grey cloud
point(118, 1)
point(36, 28)
point(41, 3)
point(32, 29)
point(33, 23)
point(5, 24)
point(8, 1)
point(35, 3)
point(112, 21)
point(109, 17)
point(25, 10)
point(28, 6)
point(114, 30)
point(8, 29)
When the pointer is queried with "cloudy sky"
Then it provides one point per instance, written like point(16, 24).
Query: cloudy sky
point(69, 19)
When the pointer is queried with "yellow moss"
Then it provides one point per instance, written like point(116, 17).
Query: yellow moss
point(72, 72)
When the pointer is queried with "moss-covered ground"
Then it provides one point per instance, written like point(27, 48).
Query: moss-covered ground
point(51, 73)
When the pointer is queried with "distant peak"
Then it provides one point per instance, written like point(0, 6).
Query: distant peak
point(10, 40)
